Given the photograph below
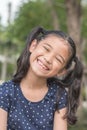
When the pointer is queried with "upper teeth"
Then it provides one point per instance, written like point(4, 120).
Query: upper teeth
point(40, 63)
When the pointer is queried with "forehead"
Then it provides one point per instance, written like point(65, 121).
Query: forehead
point(55, 41)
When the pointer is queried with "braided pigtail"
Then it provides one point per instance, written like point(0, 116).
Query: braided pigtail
point(23, 60)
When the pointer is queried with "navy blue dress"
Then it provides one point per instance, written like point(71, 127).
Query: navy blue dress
point(26, 115)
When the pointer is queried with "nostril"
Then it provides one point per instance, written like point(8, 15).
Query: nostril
point(47, 60)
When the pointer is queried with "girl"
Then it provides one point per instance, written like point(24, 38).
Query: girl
point(36, 98)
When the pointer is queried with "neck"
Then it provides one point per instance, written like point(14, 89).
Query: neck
point(33, 81)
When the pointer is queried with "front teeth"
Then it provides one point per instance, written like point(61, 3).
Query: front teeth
point(42, 65)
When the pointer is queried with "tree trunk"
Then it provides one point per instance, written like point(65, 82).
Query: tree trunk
point(73, 9)
point(54, 15)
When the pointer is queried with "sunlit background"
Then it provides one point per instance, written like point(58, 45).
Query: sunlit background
point(18, 17)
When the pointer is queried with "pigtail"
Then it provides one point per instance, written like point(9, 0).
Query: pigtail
point(35, 33)
point(72, 82)
point(74, 91)
point(23, 60)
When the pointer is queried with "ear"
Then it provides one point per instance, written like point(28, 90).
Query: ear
point(33, 45)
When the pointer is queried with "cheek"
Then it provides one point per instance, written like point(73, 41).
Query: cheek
point(36, 53)
point(38, 50)
point(57, 67)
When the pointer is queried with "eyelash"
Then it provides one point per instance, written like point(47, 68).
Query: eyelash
point(59, 60)
point(46, 48)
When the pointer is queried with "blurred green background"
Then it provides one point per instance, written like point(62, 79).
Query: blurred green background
point(67, 15)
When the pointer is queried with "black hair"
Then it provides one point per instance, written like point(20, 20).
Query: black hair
point(72, 80)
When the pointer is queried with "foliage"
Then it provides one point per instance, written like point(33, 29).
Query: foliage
point(85, 51)
point(84, 29)
point(59, 6)
point(78, 127)
point(30, 14)
point(82, 123)
point(84, 21)
point(36, 13)
point(10, 71)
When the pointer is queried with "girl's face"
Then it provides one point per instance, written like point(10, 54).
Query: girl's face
point(49, 57)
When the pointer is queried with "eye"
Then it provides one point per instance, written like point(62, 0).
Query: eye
point(59, 60)
point(47, 49)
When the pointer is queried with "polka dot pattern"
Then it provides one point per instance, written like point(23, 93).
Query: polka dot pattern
point(26, 115)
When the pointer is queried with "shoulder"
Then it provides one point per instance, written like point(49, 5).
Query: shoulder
point(7, 87)
point(53, 84)
point(59, 93)
point(7, 84)
point(6, 94)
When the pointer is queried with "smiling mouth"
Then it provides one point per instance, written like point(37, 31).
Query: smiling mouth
point(42, 65)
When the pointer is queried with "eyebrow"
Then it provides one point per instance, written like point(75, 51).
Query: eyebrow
point(58, 54)
point(49, 45)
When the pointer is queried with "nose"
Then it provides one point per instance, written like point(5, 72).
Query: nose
point(48, 59)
